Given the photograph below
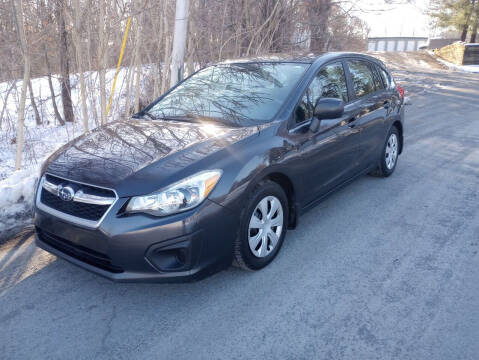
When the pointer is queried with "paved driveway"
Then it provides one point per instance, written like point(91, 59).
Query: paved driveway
point(385, 268)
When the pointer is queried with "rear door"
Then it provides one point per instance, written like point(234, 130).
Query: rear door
point(370, 109)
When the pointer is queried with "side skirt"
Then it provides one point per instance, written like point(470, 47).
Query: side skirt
point(317, 201)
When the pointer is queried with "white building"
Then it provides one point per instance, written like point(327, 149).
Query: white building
point(396, 43)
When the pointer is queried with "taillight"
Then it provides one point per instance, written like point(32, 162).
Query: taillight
point(400, 90)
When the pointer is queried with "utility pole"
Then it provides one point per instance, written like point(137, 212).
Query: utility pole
point(179, 41)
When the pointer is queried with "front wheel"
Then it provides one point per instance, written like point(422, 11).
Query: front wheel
point(263, 226)
point(389, 154)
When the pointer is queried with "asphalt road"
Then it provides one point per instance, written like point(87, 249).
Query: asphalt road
point(383, 269)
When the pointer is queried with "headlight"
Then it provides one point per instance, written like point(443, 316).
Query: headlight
point(178, 197)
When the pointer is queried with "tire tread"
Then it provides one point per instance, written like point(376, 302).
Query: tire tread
point(238, 259)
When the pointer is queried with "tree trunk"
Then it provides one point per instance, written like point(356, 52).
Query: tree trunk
point(102, 62)
point(138, 62)
point(259, 30)
point(34, 105)
point(52, 90)
point(222, 35)
point(318, 23)
point(21, 112)
point(465, 27)
point(17, 6)
point(89, 55)
point(166, 61)
point(5, 101)
point(190, 63)
point(464, 32)
point(245, 28)
point(476, 25)
point(157, 62)
point(64, 64)
point(129, 76)
point(78, 52)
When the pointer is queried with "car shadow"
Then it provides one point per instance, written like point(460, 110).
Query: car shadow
point(56, 297)
point(21, 269)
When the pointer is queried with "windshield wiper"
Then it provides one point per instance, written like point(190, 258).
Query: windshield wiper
point(188, 118)
point(185, 118)
point(142, 114)
point(150, 115)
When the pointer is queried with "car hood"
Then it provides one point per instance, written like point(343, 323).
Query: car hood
point(110, 154)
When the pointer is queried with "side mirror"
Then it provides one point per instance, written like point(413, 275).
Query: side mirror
point(329, 108)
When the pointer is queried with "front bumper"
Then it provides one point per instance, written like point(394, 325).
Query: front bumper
point(142, 248)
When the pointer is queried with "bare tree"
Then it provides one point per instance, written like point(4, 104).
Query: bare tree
point(58, 117)
point(139, 28)
point(159, 29)
point(475, 25)
point(79, 60)
point(102, 55)
point(85, 36)
point(167, 57)
point(64, 62)
point(38, 121)
point(5, 101)
point(17, 6)
point(319, 12)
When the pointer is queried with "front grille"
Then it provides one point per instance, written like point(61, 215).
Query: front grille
point(79, 252)
point(93, 212)
point(81, 210)
point(86, 188)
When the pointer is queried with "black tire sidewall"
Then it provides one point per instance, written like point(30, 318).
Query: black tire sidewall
point(262, 190)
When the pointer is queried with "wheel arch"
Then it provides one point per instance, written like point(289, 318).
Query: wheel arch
point(398, 125)
point(287, 185)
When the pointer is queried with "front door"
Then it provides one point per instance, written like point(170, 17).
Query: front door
point(329, 156)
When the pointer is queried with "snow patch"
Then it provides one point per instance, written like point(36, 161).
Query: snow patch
point(463, 68)
point(16, 198)
point(17, 188)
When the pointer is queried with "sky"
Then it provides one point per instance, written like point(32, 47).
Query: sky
point(394, 20)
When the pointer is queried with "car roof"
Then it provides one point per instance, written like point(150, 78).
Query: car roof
point(305, 58)
point(300, 58)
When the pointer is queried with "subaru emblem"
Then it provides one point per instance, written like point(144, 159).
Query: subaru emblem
point(66, 193)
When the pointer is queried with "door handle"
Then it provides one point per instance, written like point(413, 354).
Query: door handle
point(351, 122)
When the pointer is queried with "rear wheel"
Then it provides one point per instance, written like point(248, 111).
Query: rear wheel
point(263, 226)
point(389, 155)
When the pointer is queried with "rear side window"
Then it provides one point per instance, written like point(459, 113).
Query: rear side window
point(362, 77)
point(385, 77)
point(378, 82)
point(329, 82)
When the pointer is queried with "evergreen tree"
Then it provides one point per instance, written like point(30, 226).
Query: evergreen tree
point(461, 15)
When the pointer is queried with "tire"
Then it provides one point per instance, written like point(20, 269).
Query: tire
point(389, 155)
point(269, 236)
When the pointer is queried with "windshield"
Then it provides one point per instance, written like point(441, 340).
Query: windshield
point(233, 94)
